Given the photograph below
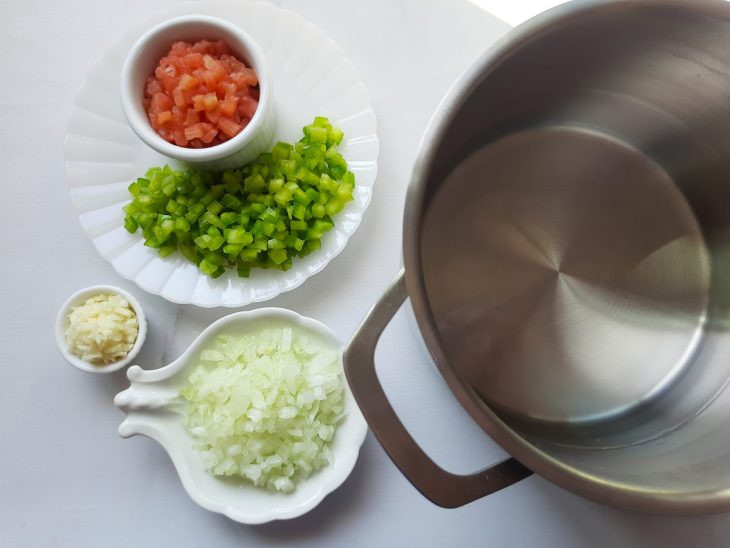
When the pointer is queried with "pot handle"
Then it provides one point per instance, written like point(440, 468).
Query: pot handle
point(441, 487)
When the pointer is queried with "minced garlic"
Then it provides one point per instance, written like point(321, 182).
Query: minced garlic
point(102, 330)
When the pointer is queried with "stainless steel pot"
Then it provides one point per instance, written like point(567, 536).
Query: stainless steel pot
point(566, 244)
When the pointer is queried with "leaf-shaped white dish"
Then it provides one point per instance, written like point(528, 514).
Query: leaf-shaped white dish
point(311, 76)
point(155, 409)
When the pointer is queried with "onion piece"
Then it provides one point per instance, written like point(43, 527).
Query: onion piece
point(265, 406)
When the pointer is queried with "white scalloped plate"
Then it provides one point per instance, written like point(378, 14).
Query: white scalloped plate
point(311, 77)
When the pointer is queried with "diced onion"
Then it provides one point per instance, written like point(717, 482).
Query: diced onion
point(265, 407)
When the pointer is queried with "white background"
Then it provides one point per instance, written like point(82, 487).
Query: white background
point(67, 479)
point(516, 11)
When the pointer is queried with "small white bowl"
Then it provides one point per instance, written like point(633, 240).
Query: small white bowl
point(62, 324)
point(154, 409)
point(144, 57)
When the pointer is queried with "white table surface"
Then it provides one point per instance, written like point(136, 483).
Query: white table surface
point(515, 12)
point(67, 479)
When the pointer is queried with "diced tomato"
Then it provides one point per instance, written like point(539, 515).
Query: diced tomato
point(153, 86)
point(200, 95)
point(201, 46)
point(225, 89)
point(168, 82)
point(167, 70)
point(234, 64)
point(178, 116)
point(160, 102)
point(229, 106)
point(176, 65)
point(210, 101)
point(220, 48)
point(209, 79)
point(228, 126)
point(193, 60)
point(198, 103)
point(209, 136)
point(248, 106)
point(250, 75)
point(188, 82)
point(191, 118)
point(242, 79)
point(208, 62)
point(215, 67)
point(178, 95)
point(194, 132)
point(179, 138)
point(178, 48)
point(213, 115)
point(219, 71)
point(164, 117)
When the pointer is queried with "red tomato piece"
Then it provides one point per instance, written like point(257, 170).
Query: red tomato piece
point(188, 82)
point(191, 118)
point(200, 46)
point(228, 126)
point(179, 138)
point(219, 48)
point(210, 101)
point(226, 89)
point(248, 106)
point(209, 136)
point(213, 115)
point(160, 102)
point(229, 106)
point(178, 48)
point(164, 117)
point(196, 131)
point(178, 95)
point(153, 86)
point(193, 60)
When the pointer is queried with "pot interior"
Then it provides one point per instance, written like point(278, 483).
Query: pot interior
point(574, 244)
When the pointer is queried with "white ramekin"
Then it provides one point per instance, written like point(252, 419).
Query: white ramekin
point(144, 57)
point(77, 299)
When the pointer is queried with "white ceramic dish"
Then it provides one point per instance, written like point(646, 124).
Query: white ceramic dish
point(155, 410)
point(141, 62)
point(310, 76)
point(62, 324)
